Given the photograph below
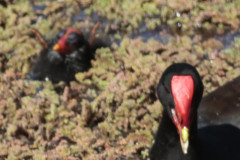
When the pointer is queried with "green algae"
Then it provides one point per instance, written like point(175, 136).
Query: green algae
point(112, 110)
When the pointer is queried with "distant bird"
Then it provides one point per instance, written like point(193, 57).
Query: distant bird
point(64, 56)
point(178, 137)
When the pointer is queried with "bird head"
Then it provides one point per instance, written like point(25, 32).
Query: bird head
point(69, 40)
point(180, 90)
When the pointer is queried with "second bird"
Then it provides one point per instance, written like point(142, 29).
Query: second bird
point(63, 57)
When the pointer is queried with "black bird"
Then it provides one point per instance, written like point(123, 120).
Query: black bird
point(178, 137)
point(66, 55)
point(221, 105)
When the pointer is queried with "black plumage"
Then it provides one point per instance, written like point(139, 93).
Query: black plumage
point(66, 55)
point(221, 105)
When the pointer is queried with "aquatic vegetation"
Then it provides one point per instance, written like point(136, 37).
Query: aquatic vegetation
point(111, 111)
point(214, 16)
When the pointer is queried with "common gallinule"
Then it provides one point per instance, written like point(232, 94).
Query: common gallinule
point(64, 56)
point(178, 137)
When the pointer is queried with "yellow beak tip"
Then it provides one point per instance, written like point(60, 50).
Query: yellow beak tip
point(185, 134)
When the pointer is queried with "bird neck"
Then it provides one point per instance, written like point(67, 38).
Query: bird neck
point(167, 138)
point(167, 131)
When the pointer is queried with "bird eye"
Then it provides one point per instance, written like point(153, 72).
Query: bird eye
point(60, 34)
point(72, 36)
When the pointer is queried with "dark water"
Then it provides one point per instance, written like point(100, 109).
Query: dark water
point(161, 34)
point(38, 7)
point(228, 38)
